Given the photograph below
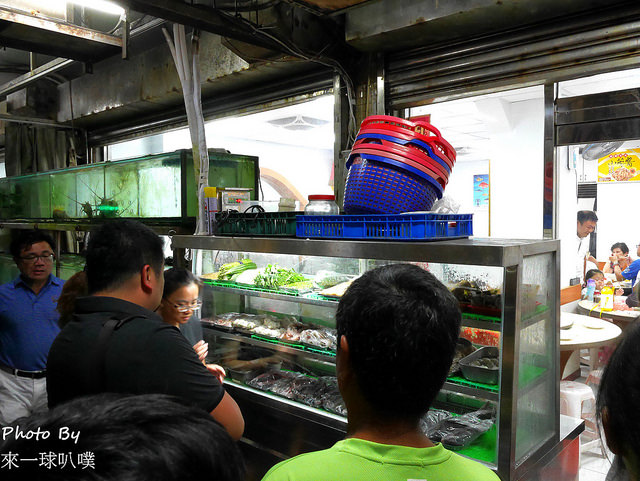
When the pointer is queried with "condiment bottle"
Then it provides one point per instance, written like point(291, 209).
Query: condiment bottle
point(606, 298)
point(322, 205)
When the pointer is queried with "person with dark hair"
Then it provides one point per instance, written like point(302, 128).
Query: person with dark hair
point(76, 286)
point(630, 272)
point(151, 437)
point(180, 301)
point(617, 409)
point(619, 257)
point(397, 332)
point(28, 325)
point(587, 220)
point(115, 341)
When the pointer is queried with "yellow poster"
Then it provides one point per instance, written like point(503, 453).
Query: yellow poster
point(623, 166)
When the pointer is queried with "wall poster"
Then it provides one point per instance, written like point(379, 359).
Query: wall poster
point(481, 190)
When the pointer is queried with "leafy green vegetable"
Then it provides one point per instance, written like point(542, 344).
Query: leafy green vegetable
point(227, 271)
point(273, 277)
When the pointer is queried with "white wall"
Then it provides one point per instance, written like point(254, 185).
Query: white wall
point(460, 189)
point(516, 181)
point(616, 217)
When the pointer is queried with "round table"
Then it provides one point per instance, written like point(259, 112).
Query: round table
point(585, 333)
point(620, 318)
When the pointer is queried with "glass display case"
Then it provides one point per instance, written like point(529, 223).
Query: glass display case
point(274, 331)
point(154, 188)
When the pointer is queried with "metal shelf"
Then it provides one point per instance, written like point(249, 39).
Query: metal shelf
point(275, 296)
point(471, 391)
point(478, 324)
point(487, 252)
point(271, 345)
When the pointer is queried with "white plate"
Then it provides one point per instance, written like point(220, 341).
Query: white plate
point(565, 323)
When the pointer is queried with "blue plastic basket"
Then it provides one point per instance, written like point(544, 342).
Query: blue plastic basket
point(383, 186)
point(432, 155)
point(386, 227)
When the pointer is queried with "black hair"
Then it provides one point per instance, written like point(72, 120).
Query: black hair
point(590, 273)
point(401, 325)
point(619, 390)
point(150, 437)
point(585, 215)
point(119, 249)
point(622, 246)
point(27, 238)
point(178, 277)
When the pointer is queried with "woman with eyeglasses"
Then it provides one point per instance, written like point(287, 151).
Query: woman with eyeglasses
point(180, 301)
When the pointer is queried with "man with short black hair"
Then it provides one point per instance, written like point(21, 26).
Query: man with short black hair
point(116, 343)
point(587, 220)
point(397, 331)
point(115, 437)
point(28, 325)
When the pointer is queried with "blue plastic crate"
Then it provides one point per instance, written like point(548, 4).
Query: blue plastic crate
point(388, 227)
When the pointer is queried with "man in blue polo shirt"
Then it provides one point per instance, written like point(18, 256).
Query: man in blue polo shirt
point(28, 326)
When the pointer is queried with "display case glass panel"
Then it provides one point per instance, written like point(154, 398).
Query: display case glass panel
point(537, 339)
point(32, 197)
point(160, 186)
point(122, 190)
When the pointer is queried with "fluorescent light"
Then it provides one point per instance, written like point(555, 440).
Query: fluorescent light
point(100, 5)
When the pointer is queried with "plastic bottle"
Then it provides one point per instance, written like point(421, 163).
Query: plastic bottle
point(591, 289)
point(606, 298)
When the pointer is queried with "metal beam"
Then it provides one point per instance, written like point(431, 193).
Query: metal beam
point(48, 68)
point(207, 19)
point(22, 81)
point(57, 26)
point(32, 120)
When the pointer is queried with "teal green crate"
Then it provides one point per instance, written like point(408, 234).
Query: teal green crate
point(256, 224)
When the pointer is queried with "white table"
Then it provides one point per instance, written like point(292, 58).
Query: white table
point(621, 318)
point(585, 333)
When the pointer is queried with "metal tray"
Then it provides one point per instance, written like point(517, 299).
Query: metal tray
point(484, 375)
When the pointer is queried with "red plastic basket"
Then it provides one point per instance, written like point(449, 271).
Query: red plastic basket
point(408, 141)
point(375, 187)
point(402, 153)
point(436, 142)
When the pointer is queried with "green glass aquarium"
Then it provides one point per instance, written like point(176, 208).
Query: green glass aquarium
point(160, 187)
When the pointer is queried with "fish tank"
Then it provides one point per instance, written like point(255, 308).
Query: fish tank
point(159, 187)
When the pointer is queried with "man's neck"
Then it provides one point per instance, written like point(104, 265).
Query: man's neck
point(126, 294)
point(35, 285)
point(396, 432)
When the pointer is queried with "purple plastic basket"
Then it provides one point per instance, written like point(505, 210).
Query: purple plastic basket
point(377, 187)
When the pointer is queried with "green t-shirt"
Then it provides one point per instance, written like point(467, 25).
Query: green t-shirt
point(359, 460)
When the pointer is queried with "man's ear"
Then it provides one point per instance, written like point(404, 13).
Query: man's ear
point(147, 277)
point(612, 442)
point(343, 360)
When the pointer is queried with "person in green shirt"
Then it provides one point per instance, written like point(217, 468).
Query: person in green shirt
point(397, 331)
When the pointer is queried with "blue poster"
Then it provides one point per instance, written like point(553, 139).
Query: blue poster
point(481, 190)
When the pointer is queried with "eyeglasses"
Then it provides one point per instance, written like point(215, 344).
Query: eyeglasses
point(46, 258)
point(189, 307)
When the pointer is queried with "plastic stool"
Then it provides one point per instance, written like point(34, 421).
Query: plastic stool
point(578, 401)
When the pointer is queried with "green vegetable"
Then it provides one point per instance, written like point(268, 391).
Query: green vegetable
point(227, 271)
point(274, 277)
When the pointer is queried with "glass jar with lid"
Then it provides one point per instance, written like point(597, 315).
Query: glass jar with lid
point(322, 205)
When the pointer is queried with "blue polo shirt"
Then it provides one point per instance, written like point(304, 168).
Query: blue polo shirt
point(631, 272)
point(28, 323)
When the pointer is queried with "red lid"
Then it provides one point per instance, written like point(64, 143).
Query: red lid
point(322, 197)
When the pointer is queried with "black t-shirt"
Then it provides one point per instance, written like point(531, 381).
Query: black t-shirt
point(145, 355)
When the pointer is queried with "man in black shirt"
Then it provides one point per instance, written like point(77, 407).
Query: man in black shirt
point(116, 343)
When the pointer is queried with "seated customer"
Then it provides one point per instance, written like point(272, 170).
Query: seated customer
point(598, 276)
point(617, 408)
point(631, 272)
point(619, 257)
point(117, 437)
point(397, 331)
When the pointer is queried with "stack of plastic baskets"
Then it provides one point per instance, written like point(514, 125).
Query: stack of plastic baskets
point(396, 166)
